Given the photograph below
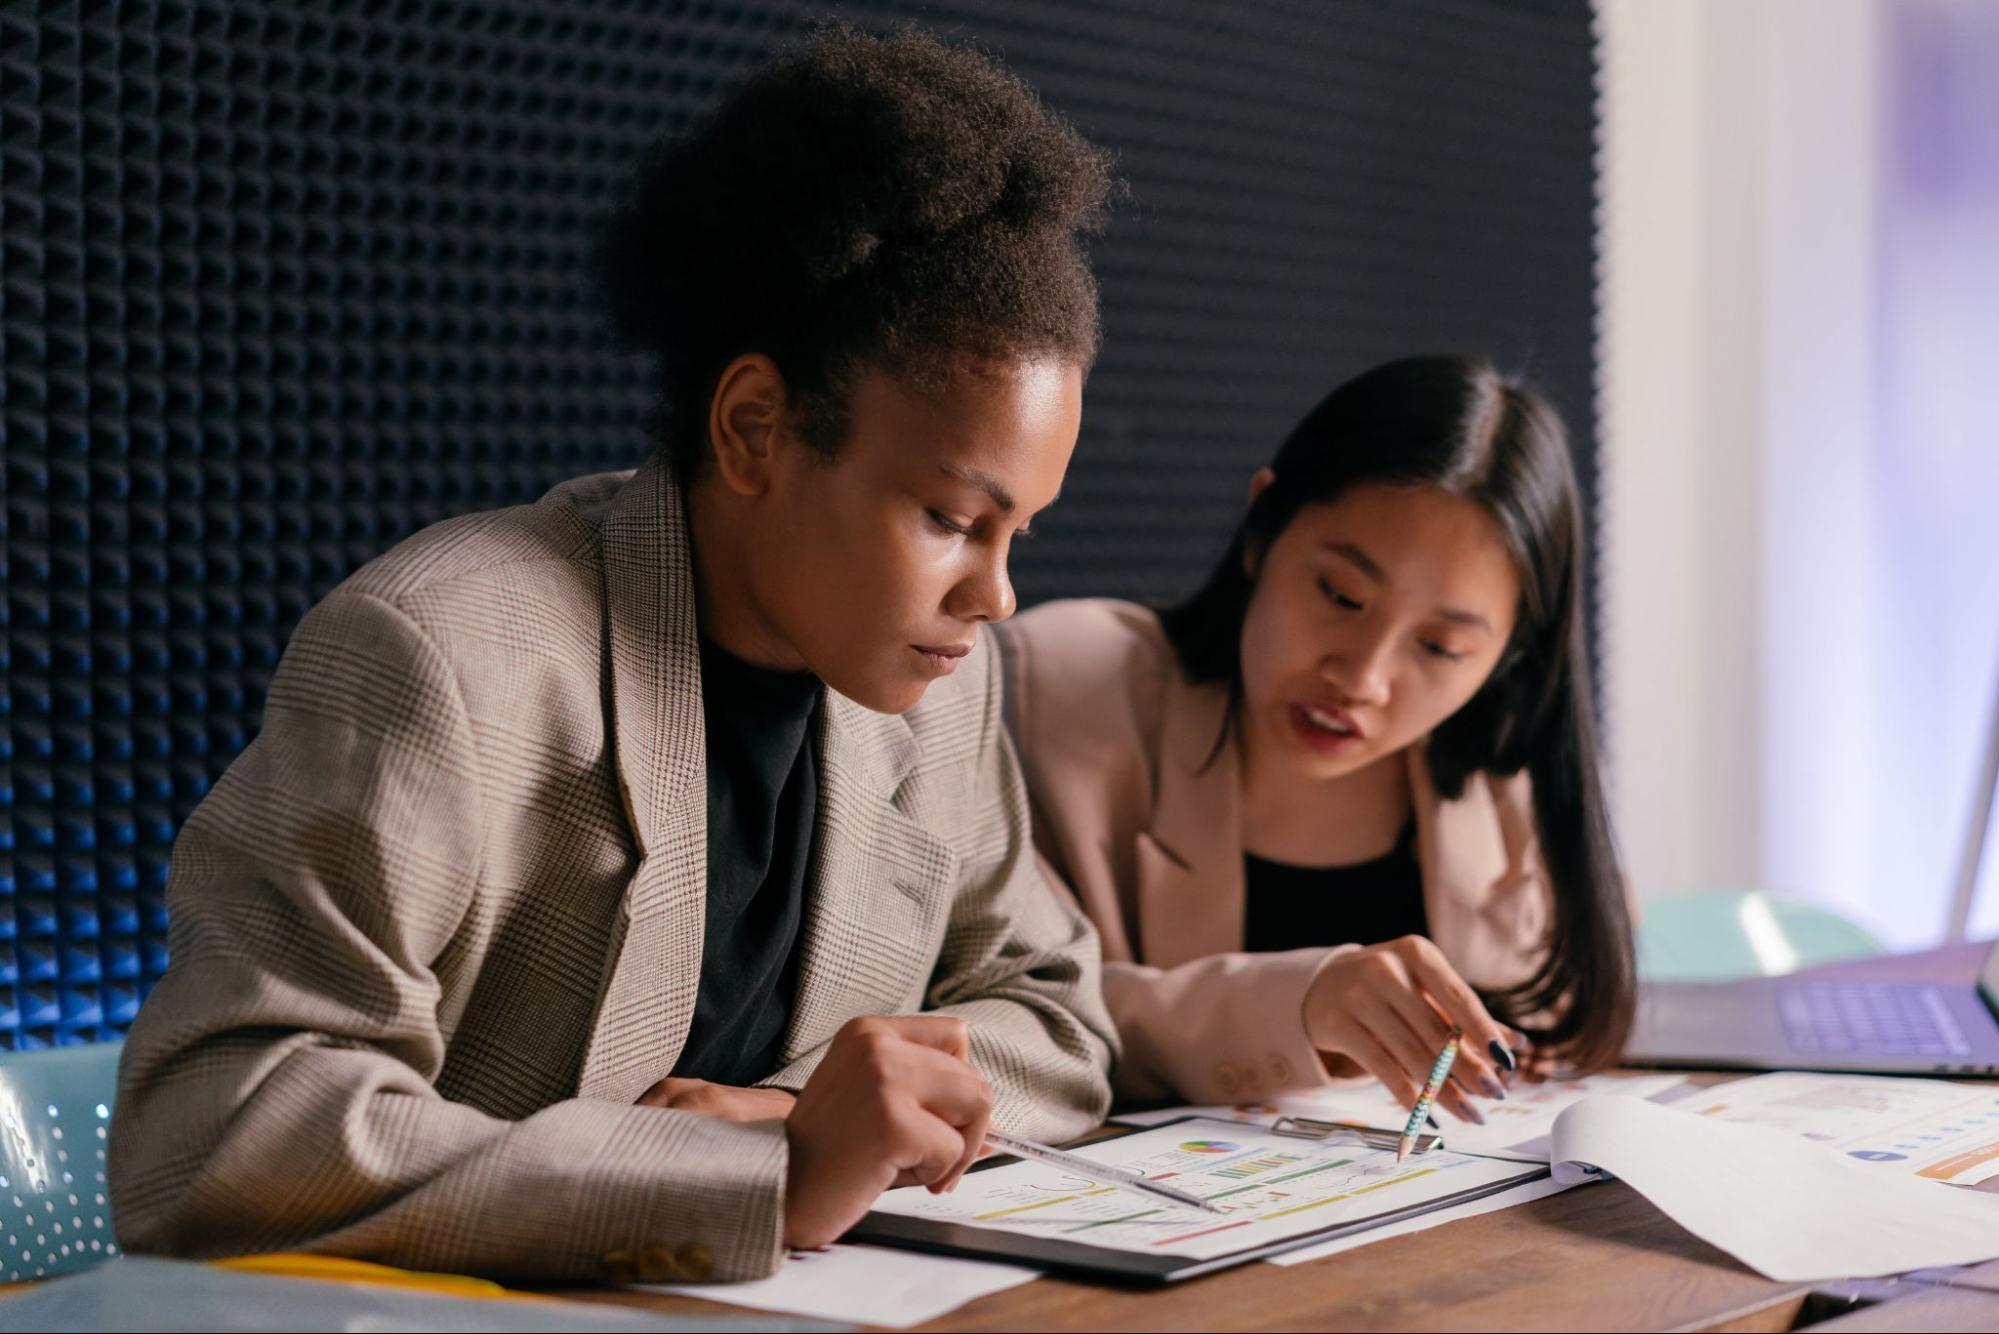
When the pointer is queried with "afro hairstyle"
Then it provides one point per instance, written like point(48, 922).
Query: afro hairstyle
point(862, 203)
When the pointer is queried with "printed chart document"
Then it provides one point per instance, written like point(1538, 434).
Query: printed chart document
point(1935, 1130)
point(1506, 1199)
point(1787, 1207)
point(1517, 1126)
point(1275, 1190)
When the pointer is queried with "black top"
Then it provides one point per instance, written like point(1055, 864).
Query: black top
point(763, 793)
point(1290, 907)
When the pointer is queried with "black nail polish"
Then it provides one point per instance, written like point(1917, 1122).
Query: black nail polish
point(1502, 1056)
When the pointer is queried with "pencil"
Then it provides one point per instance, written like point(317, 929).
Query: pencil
point(1438, 1073)
point(1121, 1177)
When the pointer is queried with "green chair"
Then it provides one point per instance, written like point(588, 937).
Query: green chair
point(55, 1110)
point(1715, 937)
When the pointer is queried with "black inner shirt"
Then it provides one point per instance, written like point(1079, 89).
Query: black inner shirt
point(1290, 907)
point(763, 794)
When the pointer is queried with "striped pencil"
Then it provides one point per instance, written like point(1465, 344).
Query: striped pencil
point(1438, 1074)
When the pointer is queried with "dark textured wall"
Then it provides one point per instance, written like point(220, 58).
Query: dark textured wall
point(283, 282)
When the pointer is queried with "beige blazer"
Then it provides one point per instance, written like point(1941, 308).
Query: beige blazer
point(441, 923)
point(1131, 816)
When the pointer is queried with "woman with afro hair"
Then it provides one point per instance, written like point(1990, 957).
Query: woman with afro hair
point(585, 840)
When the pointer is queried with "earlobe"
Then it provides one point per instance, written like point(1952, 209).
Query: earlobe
point(1259, 482)
point(1252, 552)
point(745, 420)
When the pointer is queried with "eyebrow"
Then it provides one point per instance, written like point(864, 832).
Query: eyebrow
point(1359, 559)
point(989, 484)
point(984, 481)
point(1470, 618)
point(1365, 563)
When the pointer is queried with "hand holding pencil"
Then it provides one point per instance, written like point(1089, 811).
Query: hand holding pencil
point(1387, 1010)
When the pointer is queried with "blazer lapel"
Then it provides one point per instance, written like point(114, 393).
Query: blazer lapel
point(1459, 846)
point(1476, 851)
point(880, 885)
point(653, 664)
point(1190, 878)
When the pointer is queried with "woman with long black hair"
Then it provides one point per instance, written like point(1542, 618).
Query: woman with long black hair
point(1347, 794)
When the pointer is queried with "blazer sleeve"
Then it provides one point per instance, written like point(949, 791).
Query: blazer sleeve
point(278, 1089)
point(1221, 1029)
point(1019, 964)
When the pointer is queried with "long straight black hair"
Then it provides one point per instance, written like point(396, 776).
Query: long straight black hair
point(1456, 424)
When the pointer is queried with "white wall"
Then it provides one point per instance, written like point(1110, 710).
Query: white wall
point(1680, 322)
point(1801, 484)
point(1935, 480)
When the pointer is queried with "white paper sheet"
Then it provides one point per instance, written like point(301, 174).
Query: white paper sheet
point(868, 1285)
point(1791, 1209)
point(1934, 1129)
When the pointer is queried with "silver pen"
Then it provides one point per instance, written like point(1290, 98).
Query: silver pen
point(1103, 1172)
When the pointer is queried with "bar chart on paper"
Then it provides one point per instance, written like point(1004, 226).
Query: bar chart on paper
point(1271, 1187)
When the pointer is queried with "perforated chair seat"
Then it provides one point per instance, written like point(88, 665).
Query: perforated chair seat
point(55, 1114)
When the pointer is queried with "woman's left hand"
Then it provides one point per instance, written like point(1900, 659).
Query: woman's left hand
point(724, 1102)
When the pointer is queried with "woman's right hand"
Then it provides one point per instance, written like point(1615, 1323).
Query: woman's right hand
point(1389, 1009)
point(894, 1102)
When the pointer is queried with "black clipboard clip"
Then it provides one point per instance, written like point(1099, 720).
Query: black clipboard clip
point(1305, 1127)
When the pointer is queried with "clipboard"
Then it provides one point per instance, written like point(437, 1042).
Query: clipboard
point(1071, 1256)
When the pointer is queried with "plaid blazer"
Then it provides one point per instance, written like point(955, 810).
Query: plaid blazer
point(441, 923)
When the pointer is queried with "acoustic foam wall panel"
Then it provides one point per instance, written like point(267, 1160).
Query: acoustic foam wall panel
point(282, 283)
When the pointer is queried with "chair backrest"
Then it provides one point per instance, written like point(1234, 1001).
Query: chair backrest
point(55, 1114)
point(1719, 936)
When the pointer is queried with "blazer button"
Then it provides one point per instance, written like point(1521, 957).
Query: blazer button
point(657, 1264)
point(697, 1262)
point(1280, 1069)
point(1227, 1077)
point(619, 1267)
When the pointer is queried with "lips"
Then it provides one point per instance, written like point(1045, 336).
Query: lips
point(940, 659)
point(1332, 720)
point(1324, 729)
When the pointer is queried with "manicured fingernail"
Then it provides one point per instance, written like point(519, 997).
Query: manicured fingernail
point(1474, 1115)
point(1493, 1088)
point(1502, 1056)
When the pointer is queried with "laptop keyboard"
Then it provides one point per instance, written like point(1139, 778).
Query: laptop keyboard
point(1869, 1018)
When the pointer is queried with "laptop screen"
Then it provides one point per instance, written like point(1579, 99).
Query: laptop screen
point(1988, 980)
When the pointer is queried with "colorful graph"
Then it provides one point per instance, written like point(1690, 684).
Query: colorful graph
point(1269, 1162)
point(1209, 1146)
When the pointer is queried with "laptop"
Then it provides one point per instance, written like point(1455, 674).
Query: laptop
point(1889, 1026)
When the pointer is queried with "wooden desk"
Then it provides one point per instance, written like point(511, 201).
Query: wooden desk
point(1598, 1257)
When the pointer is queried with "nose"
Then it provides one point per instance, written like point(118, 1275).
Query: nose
point(984, 594)
point(1360, 669)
